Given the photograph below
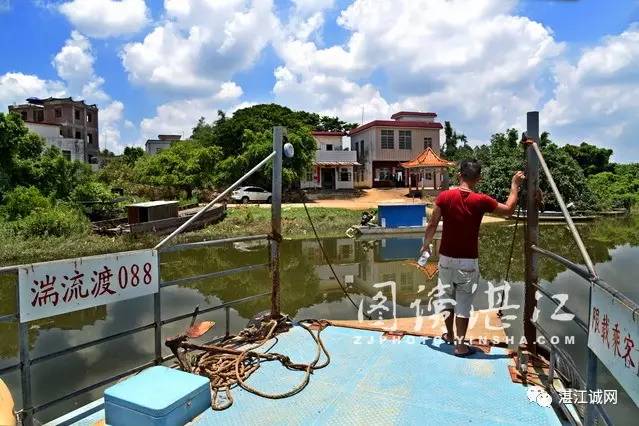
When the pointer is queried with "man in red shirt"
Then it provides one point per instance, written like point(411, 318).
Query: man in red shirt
point(462, 210)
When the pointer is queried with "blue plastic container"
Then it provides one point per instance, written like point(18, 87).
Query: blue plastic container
point(157, 396)
point(402, 215)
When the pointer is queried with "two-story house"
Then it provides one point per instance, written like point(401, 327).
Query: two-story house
point(333, 165)
point(381, 145)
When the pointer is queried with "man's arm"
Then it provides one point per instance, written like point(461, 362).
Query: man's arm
point(431, 227)
point(508, 208)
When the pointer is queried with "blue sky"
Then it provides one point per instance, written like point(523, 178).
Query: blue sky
point(156, 66)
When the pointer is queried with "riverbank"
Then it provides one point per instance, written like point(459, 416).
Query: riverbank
point(242, 220)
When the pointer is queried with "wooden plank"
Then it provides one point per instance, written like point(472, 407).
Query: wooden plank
point(481, 326)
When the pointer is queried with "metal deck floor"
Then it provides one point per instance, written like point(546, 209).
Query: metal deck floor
point(412, 381)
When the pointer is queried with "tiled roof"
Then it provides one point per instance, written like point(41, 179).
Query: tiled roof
point(427, 158)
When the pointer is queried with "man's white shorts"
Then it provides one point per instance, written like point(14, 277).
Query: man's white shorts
point(458, 280)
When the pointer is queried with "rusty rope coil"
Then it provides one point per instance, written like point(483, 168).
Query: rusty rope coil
point(232, 362)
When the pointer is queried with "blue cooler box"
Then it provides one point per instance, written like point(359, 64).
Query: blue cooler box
point(157, 396)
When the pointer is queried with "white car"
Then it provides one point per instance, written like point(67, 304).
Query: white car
point(247, 194)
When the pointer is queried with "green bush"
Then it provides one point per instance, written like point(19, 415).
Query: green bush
point(95, 200)
point(21, 201)
point(58, 221)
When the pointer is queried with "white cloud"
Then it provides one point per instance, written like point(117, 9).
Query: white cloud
point(74, 64)
point(111, 116)
point(596, 99)
point(106, 18)
point(200, 45)
point(15, 87)
point(476, 64)
point(179, 117)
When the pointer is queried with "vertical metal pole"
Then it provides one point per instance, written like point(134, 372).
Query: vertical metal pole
point(25, 367)
point(227, 313)
point(157, 315)
point(276, 219)
point(591, 374)
point(532, 230)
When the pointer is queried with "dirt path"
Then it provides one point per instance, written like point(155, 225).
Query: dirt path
point(369, 200)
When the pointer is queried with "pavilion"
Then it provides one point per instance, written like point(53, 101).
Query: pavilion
point(426, 161)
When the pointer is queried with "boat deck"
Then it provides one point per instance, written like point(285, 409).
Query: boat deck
point(414, 380)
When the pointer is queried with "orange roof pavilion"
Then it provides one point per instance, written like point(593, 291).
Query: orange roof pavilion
point(427, 158)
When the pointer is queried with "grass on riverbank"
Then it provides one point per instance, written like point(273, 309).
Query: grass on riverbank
point(245, 220)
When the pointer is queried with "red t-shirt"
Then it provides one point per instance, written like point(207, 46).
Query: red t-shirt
point(462, 212)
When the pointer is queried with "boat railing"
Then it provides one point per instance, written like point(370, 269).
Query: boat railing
point(535, 160)
point(26, 360)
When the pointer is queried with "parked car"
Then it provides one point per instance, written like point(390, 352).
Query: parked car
point(248, 194)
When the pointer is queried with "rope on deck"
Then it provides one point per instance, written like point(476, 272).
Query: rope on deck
point(233, 361)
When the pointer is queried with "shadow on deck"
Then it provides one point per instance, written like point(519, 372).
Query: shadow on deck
point(414, 380)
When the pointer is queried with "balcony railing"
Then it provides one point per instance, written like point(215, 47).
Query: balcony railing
point(335, 157)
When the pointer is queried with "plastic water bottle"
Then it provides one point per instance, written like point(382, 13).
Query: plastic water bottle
point(423, 258)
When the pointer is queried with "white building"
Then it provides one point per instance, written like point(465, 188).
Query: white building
point(72, 149)
point(333, 166)
point(382, 145)
point(153, 146)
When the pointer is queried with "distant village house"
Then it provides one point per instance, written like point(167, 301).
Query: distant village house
point(382, 145)
point(333, 166)
point(153, 146)
point(71, 126)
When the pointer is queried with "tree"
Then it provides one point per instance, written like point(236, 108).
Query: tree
point(618, 188)
point(591, 158)
point(25, 162)
point(132, 154)
point(18, 149)
point(186, 165)
point(504, 156)
point(246, 138)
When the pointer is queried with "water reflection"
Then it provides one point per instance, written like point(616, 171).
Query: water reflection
point(309, 290)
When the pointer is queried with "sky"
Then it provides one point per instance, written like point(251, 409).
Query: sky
point(157, 66)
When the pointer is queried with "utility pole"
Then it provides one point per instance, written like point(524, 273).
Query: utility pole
point(532, 230)
point(279, 133)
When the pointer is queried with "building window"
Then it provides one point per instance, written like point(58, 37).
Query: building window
point(67, 155)
point(344, 174)
point(309, 176)
point(356, 147)
point(78, 135)
point(58, 112)
point(38, 115)
point(428, 143)
point(89, 138)
point(89, 117)
point(77, 114)
point(24, 115)
point(388, 141)
point(428, 175)
point(329, 147)
point(405, 141)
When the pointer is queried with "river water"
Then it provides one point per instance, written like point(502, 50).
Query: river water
point(309, 290)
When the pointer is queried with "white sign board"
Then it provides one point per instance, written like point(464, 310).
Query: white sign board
point(613, 336)
point(54, 288)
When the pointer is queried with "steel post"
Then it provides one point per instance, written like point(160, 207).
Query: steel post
point(591, 373)
point(532, 230)
point(157, 317)
point(276, 218)
point(25, 368)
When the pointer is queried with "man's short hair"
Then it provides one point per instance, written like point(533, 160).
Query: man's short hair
point(470, 169)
